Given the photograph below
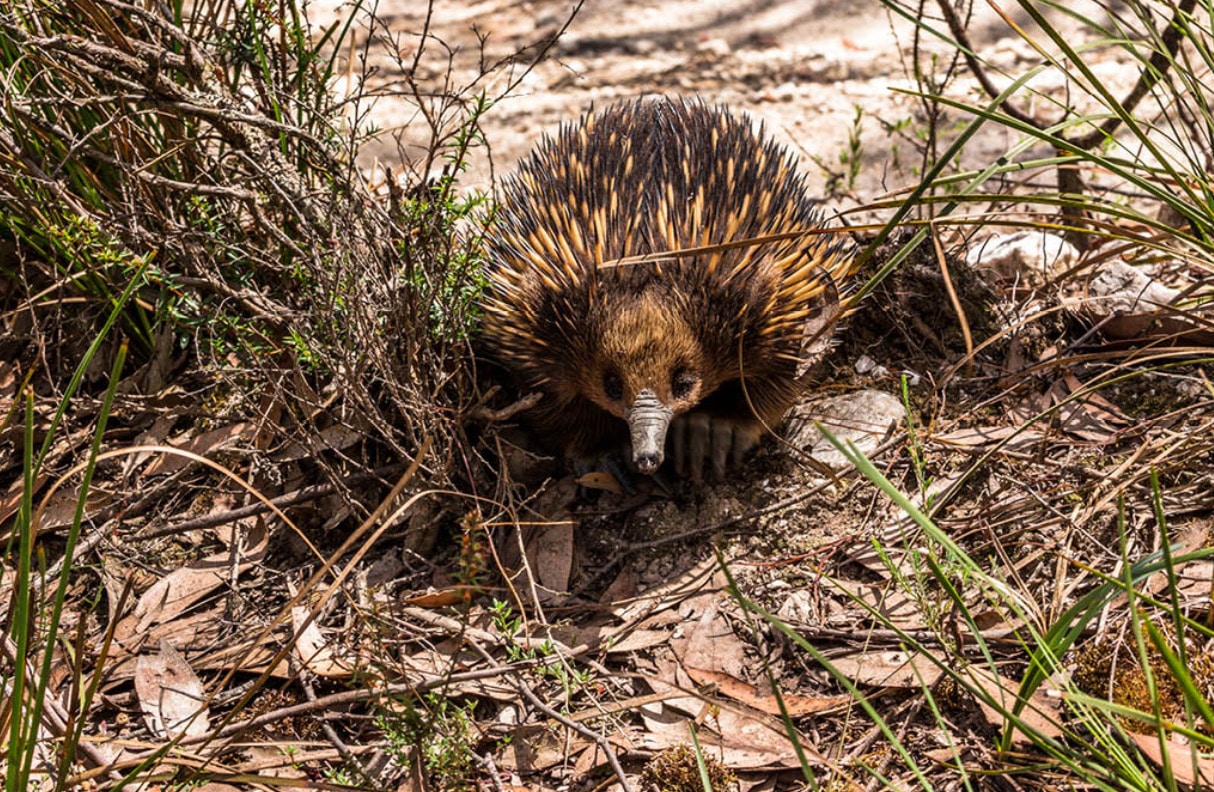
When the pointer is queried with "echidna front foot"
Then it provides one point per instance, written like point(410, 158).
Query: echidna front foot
point(700, 435)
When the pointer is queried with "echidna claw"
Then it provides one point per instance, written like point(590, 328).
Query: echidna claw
point(700, 435)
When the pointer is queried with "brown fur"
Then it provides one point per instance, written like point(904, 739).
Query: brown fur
point(651, 177)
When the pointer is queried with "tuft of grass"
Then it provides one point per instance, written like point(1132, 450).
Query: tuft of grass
point(1155, 683)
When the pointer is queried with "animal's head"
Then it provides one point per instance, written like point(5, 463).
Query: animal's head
point(646, 367)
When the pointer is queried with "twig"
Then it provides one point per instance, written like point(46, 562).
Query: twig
point(488, 415)
point(302, 495)
point(955, 300)
point(602, 742)
point(54, 717)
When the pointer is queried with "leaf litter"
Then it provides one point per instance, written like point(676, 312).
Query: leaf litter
point(619, 634)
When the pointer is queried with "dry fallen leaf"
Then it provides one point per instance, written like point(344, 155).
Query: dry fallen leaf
point(1040, 713)
point(636, 640)
point(894, 605)
point(313, 651)
point(170, 695)
point(536, 747)
point(598, 480)
point(1015, 438)
point(337, 437)
point(172, 594)
point(444, 598)
point(201, 445)
point(742, 739)
point(549, 551)
point(710, 644)
point(1188, 765)
point(745, 693)
point(889, 669)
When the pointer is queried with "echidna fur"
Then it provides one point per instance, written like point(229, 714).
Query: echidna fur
point(620, 347)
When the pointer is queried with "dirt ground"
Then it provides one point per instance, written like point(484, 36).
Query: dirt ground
point(822, 75)
point(993, 397)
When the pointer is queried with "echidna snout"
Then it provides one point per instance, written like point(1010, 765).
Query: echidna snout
point(648, 420)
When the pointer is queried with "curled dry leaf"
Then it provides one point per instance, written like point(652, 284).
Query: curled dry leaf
point(170, 695)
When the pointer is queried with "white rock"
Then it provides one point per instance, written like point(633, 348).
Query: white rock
point(868, 367)
point(1035, 255)
point(715, 46)
point(862, 417)
point(1119, 288)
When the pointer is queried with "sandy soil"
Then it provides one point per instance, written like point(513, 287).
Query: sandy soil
point(821, 74)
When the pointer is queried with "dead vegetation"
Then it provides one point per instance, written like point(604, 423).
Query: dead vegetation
point(266, 525)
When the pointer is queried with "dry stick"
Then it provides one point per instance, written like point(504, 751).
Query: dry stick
point(304, 592)
point(490, 767)
point(955, 300)
point(637, 547)
point(483, 413)
point(54, 717)
point(330, 733)
point(358, 696)
point(731, 522)
point(97, 536)
point(298, 496)
point(862, 745)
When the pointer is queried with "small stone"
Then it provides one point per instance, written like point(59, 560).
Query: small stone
point(785, 92)
point(714, 46)
point(867, 367)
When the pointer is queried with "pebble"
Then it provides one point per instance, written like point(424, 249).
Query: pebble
point(714, 46)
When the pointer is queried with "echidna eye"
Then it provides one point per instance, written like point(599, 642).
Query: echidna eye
point(613, 388)
point(681, 383)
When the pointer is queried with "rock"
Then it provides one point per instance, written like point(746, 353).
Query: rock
point(1128, 304)
point(785, 92)
point(867, 367)
point(863, 417)
point(1034, 255)
point(714, 46)
point(1119, 288)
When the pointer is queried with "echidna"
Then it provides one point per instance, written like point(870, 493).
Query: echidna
point(711, 327)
